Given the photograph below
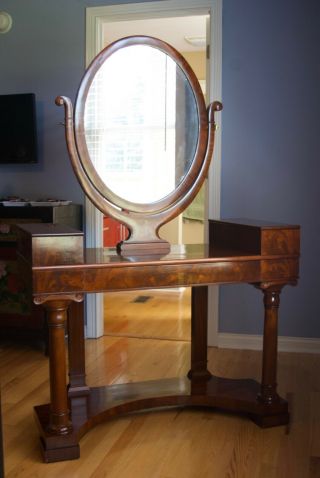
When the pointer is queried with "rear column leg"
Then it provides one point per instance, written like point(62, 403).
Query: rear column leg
point(199, 333)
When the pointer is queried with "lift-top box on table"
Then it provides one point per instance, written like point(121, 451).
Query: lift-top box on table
point(42, 244)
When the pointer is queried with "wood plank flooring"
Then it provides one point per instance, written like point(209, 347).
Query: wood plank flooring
point(156, 313)
point(169, 443)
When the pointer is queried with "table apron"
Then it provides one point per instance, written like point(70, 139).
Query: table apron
point(108, 278)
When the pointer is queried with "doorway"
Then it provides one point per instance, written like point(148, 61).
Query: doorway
point(161, 314)
point(102, 21)
point(188, 35)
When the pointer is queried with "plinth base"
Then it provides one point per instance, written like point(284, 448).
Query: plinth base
point(103, 403)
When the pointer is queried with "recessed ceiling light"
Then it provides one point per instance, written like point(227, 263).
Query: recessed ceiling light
point(5, 22)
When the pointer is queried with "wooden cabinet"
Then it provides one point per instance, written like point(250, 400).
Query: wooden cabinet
point(70, 215)
point(19, 317)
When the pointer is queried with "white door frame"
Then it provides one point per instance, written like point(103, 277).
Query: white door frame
point(95, 18)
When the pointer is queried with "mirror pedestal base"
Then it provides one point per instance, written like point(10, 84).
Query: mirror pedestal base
point(103, 403)
point(140, 248)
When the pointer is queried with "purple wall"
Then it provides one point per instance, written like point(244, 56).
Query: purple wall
point(271, 145)
point(270, 139)
point(44, 53)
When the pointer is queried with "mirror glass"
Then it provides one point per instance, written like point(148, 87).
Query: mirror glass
point(141, 124)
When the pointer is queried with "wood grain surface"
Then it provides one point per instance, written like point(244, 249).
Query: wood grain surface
point(169, 443)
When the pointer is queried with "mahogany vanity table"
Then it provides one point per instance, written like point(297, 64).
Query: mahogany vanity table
point(62, 272)
point(110, 151)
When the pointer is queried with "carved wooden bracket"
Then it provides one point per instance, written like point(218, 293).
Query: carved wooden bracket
point(42, 299)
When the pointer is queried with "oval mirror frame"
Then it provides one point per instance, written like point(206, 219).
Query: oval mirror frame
point(143, 220)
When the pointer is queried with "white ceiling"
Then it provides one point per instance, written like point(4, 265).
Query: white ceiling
point(172, 30)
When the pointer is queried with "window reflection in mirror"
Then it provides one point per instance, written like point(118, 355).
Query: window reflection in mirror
point(141, 124)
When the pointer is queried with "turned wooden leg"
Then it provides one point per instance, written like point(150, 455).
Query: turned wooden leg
point(76, 351)
point(268, 393)
point(59, 422)
point(199, 333)
point(78, 390)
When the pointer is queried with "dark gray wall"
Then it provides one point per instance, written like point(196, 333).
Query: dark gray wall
point(270, 143)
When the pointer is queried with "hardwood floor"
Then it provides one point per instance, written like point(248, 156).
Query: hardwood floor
point(170, 443)
point(156, 313)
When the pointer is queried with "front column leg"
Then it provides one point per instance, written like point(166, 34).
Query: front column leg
point(59, 422)
point(76, 350)
point(78, 391)
point(268, 393)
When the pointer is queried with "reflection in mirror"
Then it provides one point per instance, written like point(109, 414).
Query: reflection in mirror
point(141, 124)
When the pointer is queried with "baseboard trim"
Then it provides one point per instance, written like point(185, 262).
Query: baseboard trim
point(254, 342)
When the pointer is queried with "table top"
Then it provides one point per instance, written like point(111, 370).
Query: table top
point(55, 261)
point(179, 254)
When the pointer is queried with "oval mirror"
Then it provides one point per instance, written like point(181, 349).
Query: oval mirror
point(140, 140)
point(141, 120)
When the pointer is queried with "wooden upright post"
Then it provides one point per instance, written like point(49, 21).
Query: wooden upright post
point(199, 333)
point(59, 422)
point(268, 393)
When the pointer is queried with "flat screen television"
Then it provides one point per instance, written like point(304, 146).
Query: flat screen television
point(18, 129)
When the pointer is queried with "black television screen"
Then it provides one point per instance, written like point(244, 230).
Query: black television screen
point(18, 131)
